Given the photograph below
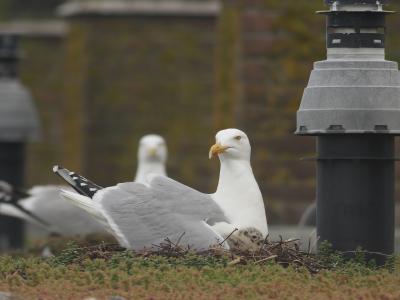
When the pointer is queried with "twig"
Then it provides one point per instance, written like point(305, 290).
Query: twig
point(235, 261)
point(266, 259)
point(179, 239)
point(264, 243)
point(228, 236)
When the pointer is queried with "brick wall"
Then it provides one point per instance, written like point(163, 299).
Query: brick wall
point(137, 74)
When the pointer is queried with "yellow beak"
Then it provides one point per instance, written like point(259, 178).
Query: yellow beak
point(216, 149)
point(152, 152)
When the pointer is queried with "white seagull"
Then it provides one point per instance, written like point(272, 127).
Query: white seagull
point(152, 157)
point(43, 207)
point(141, 216)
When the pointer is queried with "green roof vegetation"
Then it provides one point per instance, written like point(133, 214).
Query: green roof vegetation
point(102, 271)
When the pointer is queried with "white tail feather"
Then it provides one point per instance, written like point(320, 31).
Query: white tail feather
point(86, 204)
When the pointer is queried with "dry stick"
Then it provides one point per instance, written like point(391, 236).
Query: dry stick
point(290, 241)
point(228, 236)
point(169, 245)
point(275, 246)
point(264, 243)
point(235, 261)
point(179, 239)
point(266, 259)
point(158, 246)
point(174, 246)
point(298, 261)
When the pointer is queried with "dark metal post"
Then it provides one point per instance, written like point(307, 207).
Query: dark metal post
point(352, 105)
point(18, 124)
point(12, 170)
point(355, 192)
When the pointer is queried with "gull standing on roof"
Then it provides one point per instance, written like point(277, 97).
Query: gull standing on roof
point(42, 206)
point(141, 216)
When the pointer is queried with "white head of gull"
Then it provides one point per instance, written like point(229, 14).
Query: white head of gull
point(143, 215)
point(238, 193)
point(152, 157)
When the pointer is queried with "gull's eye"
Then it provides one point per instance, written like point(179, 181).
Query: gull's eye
point(238, 138)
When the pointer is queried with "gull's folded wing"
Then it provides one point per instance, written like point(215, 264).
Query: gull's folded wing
point(145, 216)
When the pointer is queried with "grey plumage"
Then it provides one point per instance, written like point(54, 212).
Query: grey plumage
point(142, 216)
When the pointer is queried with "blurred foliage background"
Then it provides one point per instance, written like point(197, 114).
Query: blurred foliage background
point(101, 81)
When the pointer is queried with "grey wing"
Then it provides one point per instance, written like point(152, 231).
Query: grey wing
point(144, 216)
point(187, 201)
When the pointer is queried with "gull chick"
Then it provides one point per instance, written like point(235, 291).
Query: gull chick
point(250, 240)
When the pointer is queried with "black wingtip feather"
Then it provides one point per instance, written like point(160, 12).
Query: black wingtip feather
point(82, 185)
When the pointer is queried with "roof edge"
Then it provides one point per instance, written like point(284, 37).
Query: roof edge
point(75, 8)
point(33, 28)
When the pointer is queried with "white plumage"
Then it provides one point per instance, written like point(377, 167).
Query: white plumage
point(141, 216)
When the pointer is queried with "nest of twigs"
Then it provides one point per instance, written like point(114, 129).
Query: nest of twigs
point(283, 252)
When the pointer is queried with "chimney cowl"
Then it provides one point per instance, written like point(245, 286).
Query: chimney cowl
point(356, 23)
point(354, 91)
point(361, 2)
